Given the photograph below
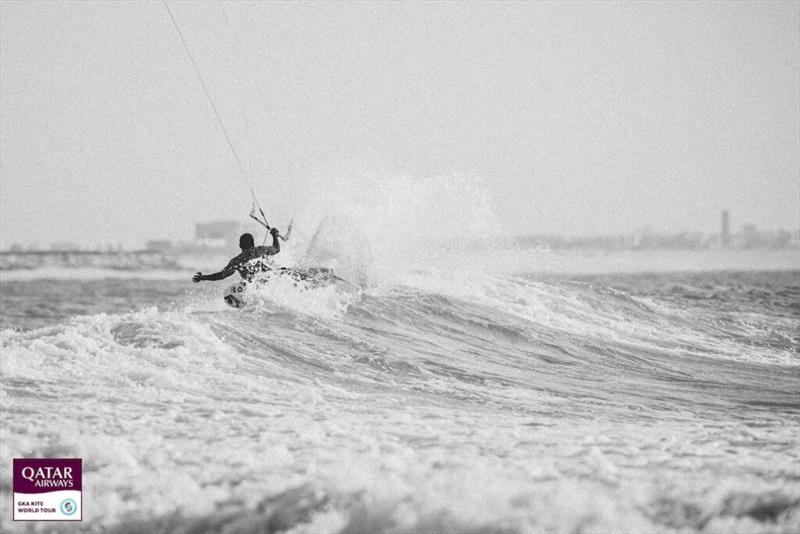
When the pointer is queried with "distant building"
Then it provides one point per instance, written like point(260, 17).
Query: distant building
point(158, 245)
point(725, 231)
point(217, 233)
point(216, 230)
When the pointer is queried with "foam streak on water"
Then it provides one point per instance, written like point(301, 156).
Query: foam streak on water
point(436, 402)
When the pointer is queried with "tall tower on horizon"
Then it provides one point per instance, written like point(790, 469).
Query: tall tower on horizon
point(725, 231)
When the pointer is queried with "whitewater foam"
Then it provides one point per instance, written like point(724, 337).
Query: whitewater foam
point(456, 402)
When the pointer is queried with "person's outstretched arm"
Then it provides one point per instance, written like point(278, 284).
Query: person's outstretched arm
point(224, 273)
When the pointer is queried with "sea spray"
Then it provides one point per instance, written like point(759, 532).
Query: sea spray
point(372, 225)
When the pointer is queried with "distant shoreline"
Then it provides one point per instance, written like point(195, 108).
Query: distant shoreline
point(510, 261)
point(78, 259)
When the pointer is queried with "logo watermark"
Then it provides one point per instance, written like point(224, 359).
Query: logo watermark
point(47, 489)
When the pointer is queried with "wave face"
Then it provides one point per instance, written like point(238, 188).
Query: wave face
point(452, 402)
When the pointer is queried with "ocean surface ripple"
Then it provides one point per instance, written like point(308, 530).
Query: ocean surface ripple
point(441, 402)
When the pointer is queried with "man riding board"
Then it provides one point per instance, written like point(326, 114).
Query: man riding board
point(252, 260)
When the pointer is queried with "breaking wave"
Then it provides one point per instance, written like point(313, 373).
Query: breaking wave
point(438, 403)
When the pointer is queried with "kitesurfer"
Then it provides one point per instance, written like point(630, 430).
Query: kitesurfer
point(252, 260)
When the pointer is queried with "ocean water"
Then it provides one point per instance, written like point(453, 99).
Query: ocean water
point(444, 400)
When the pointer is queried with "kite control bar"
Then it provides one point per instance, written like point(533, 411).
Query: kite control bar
point(263, 222)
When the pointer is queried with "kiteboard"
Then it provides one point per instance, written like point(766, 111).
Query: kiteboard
point(234, 295)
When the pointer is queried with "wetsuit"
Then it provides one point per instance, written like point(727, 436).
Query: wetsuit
point(251, 262)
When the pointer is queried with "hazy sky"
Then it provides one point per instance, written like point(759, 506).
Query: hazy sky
point(577, 118)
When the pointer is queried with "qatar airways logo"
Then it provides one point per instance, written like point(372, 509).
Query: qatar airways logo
point(47, 489)
point(49, 477)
